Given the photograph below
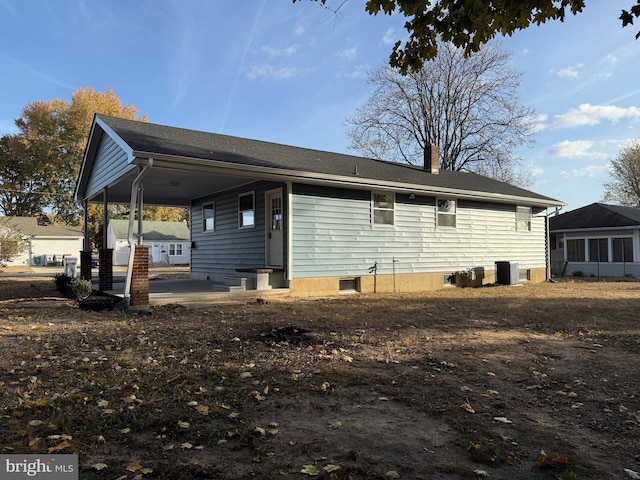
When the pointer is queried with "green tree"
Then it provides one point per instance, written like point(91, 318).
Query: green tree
point(12, 241)
point(624, 187)
point(467, 106)
point(468, 24)
point(40, 164)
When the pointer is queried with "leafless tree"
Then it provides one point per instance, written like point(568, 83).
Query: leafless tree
point(624, 187)
point(466, 105)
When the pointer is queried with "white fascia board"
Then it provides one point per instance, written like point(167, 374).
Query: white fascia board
point(597, 229)
point(284, 175)
point(98, 129)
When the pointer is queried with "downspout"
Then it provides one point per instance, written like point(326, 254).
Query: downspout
point(132, 246)
point(289, 274)
point(547, 246)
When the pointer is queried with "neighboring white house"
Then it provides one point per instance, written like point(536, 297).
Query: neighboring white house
point(45, 244)
point(598, 240)
point(169, 242)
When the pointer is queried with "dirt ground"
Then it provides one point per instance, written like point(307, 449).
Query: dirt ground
point(529, 382)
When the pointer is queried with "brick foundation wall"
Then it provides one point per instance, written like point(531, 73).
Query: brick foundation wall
point(140, 278)
point(105, 269)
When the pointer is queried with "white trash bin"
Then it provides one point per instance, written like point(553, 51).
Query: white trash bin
point(70, 266)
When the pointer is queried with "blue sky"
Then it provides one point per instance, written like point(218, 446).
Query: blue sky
point(292, 73)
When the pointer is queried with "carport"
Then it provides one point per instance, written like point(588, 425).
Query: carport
point(150, 165)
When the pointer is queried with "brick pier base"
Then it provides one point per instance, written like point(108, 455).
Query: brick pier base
point(140, 278)
point(105, 269)
point(85, 264)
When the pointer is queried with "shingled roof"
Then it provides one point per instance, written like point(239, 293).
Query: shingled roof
point(154, 230)
point(29, 226)
point(596, 215)
point(152, 140)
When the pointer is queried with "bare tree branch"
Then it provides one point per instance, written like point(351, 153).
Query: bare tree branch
point(467, 105)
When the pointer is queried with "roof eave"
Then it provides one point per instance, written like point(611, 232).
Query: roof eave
point(593, 229)
point(355, 181)
point(98, 128)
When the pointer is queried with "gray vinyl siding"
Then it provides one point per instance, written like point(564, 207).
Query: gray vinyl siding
point(333, 236)
point(111, 162)
point(229, 247)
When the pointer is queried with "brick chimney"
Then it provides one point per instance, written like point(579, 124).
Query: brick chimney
point(431, 161)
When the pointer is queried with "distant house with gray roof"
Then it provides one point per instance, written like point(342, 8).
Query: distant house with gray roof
point(597, 240)
point(317, 222)
point(45, 243)
point(168, 242)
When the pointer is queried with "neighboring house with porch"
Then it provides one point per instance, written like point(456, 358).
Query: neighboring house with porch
point(169, 242)
point(317, 222)
point(597, 240)
point(44, 243)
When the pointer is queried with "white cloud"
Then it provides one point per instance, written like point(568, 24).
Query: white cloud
point(349, 53)
point(587, 114)
point(389, 37)
point(535, 170)
point(269, 71)
point(570, 71)
point(359, 71)
point(591, 171)
point(280, 52)
point(540, 122)
point(299, 31)
point(576, 149)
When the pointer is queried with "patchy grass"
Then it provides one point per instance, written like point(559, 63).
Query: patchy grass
point(445, 385)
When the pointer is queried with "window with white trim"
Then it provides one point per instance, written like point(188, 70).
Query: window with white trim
point(208, 217)
point(523, 219)
point(598, 249)
point(175, 249)
point(383, 204)
point(446, 213)
point(622, 249)
point(246, 210)
point(576, 250)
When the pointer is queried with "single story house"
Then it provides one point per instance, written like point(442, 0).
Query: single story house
point(45, 243)
point(597, 240)
point(169, 242)
point(317, 222)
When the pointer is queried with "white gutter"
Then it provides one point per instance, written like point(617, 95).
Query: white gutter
point(132, 246)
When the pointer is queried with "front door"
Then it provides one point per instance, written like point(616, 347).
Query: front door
point(275, 225)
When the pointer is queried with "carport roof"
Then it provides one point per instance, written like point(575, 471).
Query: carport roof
point(173, 147)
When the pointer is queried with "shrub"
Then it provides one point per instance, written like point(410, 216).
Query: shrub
point(79, 289)
point(62, 283)
point(577, 273)
point(72, 287)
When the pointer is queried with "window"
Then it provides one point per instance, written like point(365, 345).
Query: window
point(246, 210)
point(383, 204)
point(623, 249)
point(575, 250)
point(349, 284)
point(175, 249)
point(446, 213)
point(208, 217)
point(598, 250)
point(523, 219)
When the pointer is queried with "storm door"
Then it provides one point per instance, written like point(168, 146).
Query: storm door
point(275, 228)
